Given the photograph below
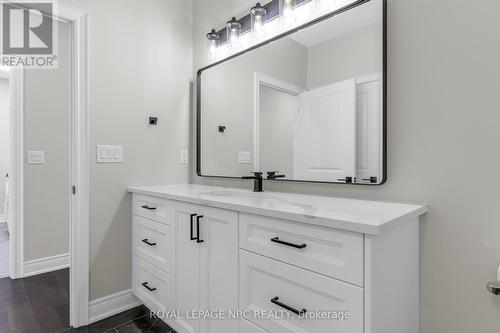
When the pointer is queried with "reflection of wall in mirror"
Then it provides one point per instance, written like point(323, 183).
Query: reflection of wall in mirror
point(354, 55)
point(228, 99)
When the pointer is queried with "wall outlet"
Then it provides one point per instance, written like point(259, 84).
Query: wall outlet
point(109, 154)
point(184, 157)
point(36, 157)
point(244, 157)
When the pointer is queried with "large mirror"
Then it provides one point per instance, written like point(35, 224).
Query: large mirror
point(310, 105)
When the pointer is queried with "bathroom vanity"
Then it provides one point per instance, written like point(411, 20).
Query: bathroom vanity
point(280, 259)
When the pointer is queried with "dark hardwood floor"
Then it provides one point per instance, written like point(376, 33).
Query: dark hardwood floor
point(40, 304)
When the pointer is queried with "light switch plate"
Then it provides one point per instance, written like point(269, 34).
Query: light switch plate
point(184, 157)
point(36, 157)
point(244, 157)
point(109, 154)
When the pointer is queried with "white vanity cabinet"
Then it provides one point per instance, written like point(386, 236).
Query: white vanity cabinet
point(272, 256)
point(207, 265)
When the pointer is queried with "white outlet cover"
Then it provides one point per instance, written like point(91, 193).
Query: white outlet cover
point(244, 157)
point(184, 157)
point(36, 157)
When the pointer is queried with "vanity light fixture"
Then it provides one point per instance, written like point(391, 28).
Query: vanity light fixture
point(286, 11)
point(258, 20)
point(213, 43)
point(233, 33)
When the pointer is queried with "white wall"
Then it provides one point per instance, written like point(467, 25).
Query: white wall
point(4, 138)
point(140, 64)
point(47, 111)
point(443, 134)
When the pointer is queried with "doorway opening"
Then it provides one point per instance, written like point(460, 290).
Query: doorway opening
point(49, 151)
point(4, 172)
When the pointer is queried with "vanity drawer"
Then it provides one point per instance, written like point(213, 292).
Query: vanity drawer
point(152, 286)
point(247, 327)
point(332, 252)
point(154, 242)
point(270, 285)
point(156, 209)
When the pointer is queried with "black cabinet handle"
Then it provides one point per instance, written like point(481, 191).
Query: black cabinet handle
point(148, 208)
point(289, 308)
point(146, 241)
point(297, 246)
point(191, 227)
point(198, 240)
point(348, 180)
point(145, 285)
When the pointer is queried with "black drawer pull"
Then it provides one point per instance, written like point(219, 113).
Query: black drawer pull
point(145, 285)
point(148, 208)
point(297, 246)
point(289, 308)
point(198, 240)
point(191, 227)
point(146, 241)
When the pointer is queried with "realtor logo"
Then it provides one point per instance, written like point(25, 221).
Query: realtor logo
point(28, 34)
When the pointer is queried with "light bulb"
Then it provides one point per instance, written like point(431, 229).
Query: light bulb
point(213, 38)
point(258, 20)
point(233, 33)
point(287, 13)
point(259, 25)
point(212, 51)
point(233, 38)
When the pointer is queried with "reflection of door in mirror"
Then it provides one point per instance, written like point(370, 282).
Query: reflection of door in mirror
point(276, 113)
point(369, 138)
point(327, 133)
point(333, 134)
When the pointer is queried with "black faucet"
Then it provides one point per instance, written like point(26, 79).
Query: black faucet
point(274, 175)
point(257, 181)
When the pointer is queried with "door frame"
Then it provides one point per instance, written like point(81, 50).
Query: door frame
point(270, 82)
point(79, 203)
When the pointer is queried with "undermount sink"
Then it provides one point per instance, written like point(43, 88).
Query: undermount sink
point(272, 199)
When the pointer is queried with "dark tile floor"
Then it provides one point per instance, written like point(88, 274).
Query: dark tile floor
point(137, 320)
point(40, 304)
point(37, 304)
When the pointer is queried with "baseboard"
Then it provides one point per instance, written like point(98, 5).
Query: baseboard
point(45, 265)
point(3, 219)
point(108, 306)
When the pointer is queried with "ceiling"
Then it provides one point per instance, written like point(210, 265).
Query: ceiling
point(347, 22)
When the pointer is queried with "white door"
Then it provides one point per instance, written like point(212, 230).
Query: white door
point(219, 267)
point(188, 266)
point(326, 133)
point(369, 129)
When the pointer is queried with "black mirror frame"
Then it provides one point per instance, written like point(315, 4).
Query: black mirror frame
point(318, 20)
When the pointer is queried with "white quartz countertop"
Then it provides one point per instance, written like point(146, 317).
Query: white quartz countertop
point(363, 216)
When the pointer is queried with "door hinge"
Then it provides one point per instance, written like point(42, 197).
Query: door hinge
point(73, 189)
